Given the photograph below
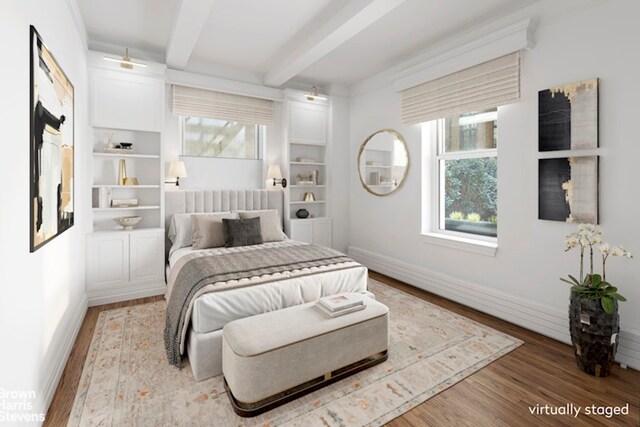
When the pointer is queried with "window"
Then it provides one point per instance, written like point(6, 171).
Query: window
point(219, 138)
point(467, 180)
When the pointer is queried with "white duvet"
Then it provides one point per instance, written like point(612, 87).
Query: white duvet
point(213, 310)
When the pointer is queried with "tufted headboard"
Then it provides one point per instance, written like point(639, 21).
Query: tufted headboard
point(202, 201)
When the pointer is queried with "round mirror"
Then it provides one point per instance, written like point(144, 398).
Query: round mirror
point(383, 162)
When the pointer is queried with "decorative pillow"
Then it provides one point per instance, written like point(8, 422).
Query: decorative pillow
point(180, 229)
point(241, 232)
point(271, 226)
point(207, 230)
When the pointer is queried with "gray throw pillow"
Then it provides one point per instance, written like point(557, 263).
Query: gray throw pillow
point(242, 232)
point(180, 228)
point(208, 231)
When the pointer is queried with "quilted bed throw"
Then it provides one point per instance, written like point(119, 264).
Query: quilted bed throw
point(203, 271)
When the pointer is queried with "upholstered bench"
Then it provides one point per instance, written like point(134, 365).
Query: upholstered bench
point(273, 358)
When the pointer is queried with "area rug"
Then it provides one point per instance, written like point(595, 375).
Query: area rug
point(127, 381)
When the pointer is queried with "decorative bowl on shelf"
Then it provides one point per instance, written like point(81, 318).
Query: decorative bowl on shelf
point(302, 213)
point(128, 222)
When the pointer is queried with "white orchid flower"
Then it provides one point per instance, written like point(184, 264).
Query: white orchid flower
point(605, 249)
point(617, 251)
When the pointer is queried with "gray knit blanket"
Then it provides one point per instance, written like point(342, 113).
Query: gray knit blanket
point(206, 270)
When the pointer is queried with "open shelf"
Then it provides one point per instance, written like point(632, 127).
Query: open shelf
point(307, 163)
point(307, 186)
point(127, 155)
point(131, 208)
point(315, 202)
point(308, 143)
point(125, 186)
point(377, 166)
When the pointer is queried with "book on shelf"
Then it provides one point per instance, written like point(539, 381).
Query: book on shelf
point(339, 302)
point(104, 197)
point(340, 312)
point(124, 203)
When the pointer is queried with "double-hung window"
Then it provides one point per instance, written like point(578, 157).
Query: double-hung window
point(466, 178)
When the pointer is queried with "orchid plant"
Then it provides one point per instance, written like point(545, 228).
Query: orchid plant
point(592, 285)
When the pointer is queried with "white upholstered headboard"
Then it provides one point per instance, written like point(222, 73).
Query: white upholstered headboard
point(202, 201)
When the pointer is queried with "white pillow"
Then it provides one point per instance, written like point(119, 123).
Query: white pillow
point(270, 223)
point(180, 229)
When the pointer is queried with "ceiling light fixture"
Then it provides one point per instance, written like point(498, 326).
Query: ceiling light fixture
point(126, 61)
point(313, 95)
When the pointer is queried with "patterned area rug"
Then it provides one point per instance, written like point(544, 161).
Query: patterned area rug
point(127, 381)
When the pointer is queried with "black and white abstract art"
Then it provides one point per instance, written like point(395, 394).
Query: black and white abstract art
point(568, 117)
point(51, 169)
point(568, 189)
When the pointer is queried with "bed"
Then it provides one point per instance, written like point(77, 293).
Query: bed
point(226, 301)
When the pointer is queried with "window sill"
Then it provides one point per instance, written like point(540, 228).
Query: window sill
point(463, 244)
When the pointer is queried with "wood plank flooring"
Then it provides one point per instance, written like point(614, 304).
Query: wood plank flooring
point(540, 372)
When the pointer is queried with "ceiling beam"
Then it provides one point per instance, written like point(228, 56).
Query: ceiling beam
point(326, 35)
point(188, 22)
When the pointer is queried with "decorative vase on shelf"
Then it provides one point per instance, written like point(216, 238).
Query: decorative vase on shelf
point(122, 172)
point(302, 213)
point(594, 334)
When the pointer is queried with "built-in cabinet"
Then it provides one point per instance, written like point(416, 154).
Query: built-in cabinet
point(126, 264)
point(125, 106)
point(306, 130)
point(315, 230)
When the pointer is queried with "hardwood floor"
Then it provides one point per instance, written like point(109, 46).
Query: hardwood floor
point(540, 372)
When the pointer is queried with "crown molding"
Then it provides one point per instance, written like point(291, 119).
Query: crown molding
point(78, 22)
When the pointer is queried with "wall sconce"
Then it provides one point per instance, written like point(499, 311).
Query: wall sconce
point(274, 176)
point(178, 170)
point(125, 61)
point(313, 95)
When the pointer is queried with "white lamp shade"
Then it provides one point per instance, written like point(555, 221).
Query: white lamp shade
point(177, 169)
point(274, 172)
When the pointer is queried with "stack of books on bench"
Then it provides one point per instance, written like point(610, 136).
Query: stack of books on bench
point(340, 304)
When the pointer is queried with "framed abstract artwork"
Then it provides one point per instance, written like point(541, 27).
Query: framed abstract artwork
point(568, 189)
point(568, 117)
point(51, 204)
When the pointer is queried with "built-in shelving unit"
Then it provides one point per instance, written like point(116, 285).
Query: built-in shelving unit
point(306, 133)
point(144, 163)
point(125, 106)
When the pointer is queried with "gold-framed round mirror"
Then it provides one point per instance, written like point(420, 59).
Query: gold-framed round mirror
point(383, 162)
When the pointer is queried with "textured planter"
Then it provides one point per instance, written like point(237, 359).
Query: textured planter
point(594, 334)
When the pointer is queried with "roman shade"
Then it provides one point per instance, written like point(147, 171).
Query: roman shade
point(193, 102)
point(490, 84)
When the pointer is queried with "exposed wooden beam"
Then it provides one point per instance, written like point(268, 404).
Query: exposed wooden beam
point(188, 22)
point(323, 37)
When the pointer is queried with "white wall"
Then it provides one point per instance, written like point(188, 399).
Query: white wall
point(42, 295)
point(599, 41)
point(339, 165)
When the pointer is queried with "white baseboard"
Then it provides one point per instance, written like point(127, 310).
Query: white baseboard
point(125, 293)
point(60, 352)
point(548, 321)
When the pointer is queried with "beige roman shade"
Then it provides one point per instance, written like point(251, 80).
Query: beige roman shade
point(193, 102)
point(490, 84)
